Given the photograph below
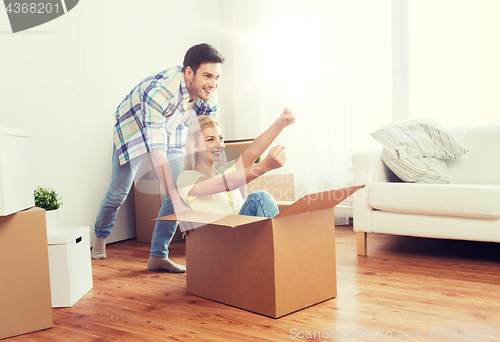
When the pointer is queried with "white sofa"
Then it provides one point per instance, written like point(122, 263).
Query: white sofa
point(466, 209)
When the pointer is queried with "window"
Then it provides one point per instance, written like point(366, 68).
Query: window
point(453, 54)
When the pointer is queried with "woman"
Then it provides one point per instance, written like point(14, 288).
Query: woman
point(205, 185)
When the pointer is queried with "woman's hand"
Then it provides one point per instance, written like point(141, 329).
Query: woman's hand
point(286, 118)
point(276, 158)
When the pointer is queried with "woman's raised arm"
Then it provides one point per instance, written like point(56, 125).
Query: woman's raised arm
point(263, 141)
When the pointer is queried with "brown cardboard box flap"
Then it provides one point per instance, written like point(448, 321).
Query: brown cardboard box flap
point(218, 219)
point(319, 201)
point(312, 202)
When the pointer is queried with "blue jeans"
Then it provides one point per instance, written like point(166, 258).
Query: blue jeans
point(122, 177)
point(260, 203)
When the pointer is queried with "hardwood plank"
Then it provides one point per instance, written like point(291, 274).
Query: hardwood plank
point(408, 285)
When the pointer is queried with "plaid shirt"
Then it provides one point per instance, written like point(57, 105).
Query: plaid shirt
point(150, 118)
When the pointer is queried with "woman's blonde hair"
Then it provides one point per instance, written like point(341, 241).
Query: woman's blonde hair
point(193, 134)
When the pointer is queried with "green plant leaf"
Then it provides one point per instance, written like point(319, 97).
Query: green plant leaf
point(47, 199)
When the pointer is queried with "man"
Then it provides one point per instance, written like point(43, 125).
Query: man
point(153, 120)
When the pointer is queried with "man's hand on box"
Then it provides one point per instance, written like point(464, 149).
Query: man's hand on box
point(180, 207)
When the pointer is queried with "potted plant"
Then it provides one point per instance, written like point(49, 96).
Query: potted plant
point(49, 200)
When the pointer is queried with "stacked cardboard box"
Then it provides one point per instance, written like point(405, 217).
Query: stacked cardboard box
point(148, 197)
point(16, 186)
point(234, 148)
point(24, 268)
point(70, 265)
point(24, 264)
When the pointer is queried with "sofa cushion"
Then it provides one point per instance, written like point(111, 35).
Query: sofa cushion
point(462, 200)
point(414, 150)
point(482, 164)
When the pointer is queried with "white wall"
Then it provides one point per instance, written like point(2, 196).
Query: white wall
point(63, 80)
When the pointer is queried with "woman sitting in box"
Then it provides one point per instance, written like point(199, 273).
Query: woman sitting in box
point(206, 186)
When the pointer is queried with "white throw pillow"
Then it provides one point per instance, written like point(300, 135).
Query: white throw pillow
point(417, 170)
point(415, 150)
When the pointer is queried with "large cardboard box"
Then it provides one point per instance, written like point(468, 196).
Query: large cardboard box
point(25, 302)
point(70, 265)
point(148, 197)
point(268, 266)
point(16, 185)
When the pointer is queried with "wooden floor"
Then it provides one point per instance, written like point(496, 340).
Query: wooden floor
point(421, 289)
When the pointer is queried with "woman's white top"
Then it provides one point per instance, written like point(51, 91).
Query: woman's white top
point(223, 202)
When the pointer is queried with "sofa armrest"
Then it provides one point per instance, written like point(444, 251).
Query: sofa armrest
point(368, 168)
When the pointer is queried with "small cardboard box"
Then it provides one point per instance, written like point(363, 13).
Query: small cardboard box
point(25, 303)
point(16, 185)
point(234, 148)
point(269, 266)
point(70, 265)
point(148, 197)
point(280, 185)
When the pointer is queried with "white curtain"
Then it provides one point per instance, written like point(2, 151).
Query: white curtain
point(453, 61)
point(327, 59)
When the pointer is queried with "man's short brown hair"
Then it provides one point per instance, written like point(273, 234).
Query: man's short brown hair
point(199, 54)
